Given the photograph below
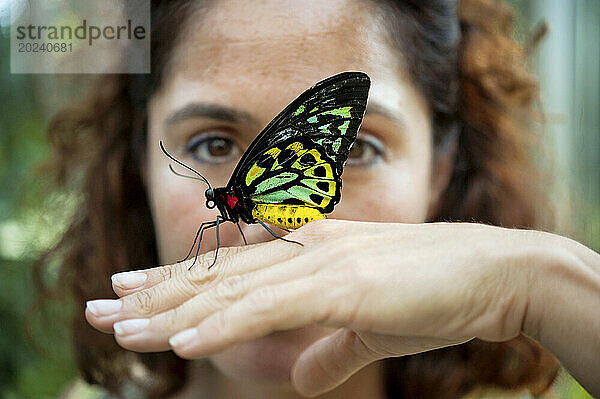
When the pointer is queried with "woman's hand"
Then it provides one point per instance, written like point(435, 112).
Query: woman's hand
point(390, 289)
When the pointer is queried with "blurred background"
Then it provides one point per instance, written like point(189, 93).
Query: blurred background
point(33, 214)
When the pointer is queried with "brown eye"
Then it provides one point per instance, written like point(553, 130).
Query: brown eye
point(219, 147)
point(365, 151)
point(213, 149)
point(357, 150)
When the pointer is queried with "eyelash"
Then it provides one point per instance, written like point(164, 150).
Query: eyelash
point(372, 144)
point(206, 138)
point(369, 143)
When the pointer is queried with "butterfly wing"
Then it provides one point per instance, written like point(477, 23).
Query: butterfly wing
point(299, 157)
point(297, 171)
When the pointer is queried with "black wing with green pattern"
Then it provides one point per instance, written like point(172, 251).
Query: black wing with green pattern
point(299, 157)
point(329, 113)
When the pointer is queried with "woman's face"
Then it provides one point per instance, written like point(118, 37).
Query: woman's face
point(250, 59)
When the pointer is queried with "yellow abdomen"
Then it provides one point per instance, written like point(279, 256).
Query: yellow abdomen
point(286, 216)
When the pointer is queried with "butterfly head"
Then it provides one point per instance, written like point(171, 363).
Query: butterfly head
point(210, 198)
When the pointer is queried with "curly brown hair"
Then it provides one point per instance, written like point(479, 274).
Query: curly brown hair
point(474, 76)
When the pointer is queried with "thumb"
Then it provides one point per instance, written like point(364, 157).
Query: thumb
point(330, 361)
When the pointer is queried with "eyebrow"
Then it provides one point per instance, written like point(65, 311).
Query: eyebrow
point(374, 108)
point(228, 114)
point(210, 111)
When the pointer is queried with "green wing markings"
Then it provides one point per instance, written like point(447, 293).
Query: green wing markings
point(298, 172)
point(261, 165)
point(275, 181)
point(336, 144)
point(323, 118)
point(325, 129)
point(326, 187)
point(314, 198)
point(276, 197)
point(300, 193)
point(342, 111)
point(309, 196)
point(344, 126)
point(321, 141)
point(276, 165)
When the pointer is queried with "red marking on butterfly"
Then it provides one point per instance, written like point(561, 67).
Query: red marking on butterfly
point(231, 201)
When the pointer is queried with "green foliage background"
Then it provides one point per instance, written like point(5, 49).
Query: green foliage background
point(27, 204)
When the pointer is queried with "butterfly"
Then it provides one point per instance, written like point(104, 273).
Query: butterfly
point(290, 175)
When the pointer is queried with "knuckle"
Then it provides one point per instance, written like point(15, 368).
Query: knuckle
point(262, 300)
point(165, 272)
point(143, 302)
point(208, 258)
point(178, 269)
point(184, 288)
point(200, 276)
point(171, 318)
point(225, 252)
point(221, 325)
point(231, 288)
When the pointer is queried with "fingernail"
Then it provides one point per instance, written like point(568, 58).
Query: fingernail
point(184, 337)
point(104, 307)
point(132, 326)
point(129, 280)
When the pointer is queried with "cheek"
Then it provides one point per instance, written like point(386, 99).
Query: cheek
point(395, 192)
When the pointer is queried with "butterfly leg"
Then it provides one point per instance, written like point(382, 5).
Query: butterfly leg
point(195, 240)
point(275, 235)
point(242, 233)
point(219, 219)
point(203, 226)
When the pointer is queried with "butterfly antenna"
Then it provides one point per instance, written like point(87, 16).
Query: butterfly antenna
point(162, 147)
point(182, 175)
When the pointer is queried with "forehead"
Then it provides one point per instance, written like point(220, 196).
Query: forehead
point(233, 41)
point(258, 56)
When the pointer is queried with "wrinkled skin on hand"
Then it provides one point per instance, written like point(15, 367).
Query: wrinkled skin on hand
point(383, 289)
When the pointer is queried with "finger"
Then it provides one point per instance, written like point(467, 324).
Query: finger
point(154, 336)
point(126, 283)
point(331, 361)
point(102, 314)
point(270, 308)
